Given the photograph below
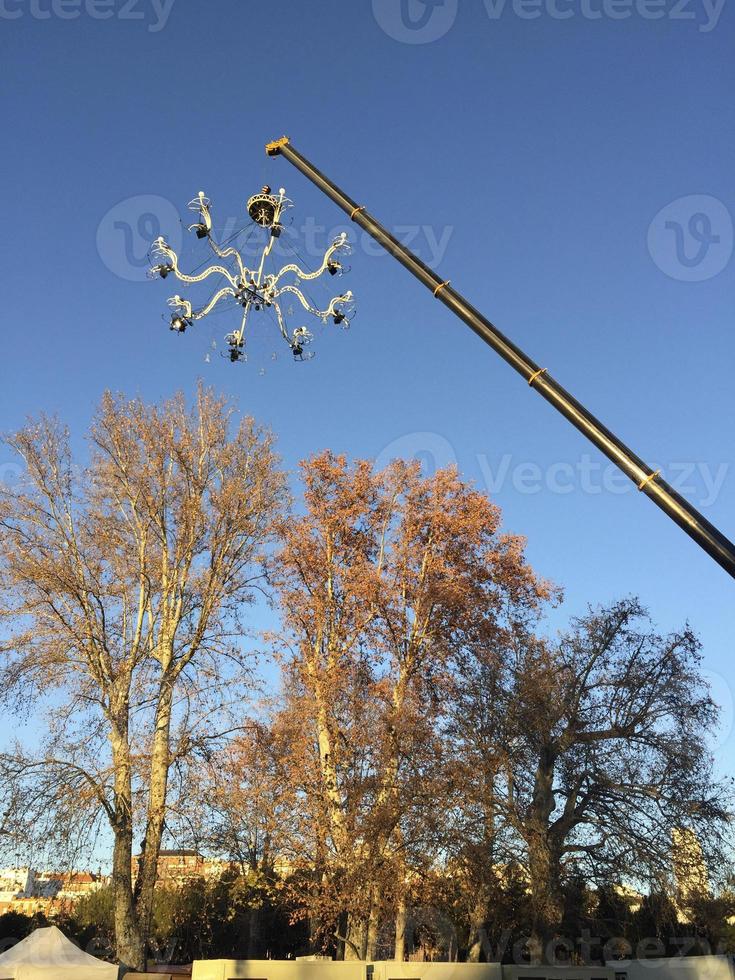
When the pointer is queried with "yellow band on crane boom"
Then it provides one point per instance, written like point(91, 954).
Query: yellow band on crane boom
point(356, 210)
point(536, 374)
point(441, 286)
point(651, 476)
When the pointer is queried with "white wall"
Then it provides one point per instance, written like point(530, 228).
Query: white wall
point(687, 968)
point(277, 970)
point(560, 973)
point(678, 968)
point(396, 970)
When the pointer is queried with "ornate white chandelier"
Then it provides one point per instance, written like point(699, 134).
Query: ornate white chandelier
point(253, 290)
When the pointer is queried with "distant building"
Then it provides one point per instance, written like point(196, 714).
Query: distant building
point(31, 906)
point(176, 867)
point(68, 886)
point(16, 883)
point(29, 892)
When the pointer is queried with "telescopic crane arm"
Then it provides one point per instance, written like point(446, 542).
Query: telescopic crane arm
point(647, 480)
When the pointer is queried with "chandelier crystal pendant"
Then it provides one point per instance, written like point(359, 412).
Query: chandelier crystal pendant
point(254, 290)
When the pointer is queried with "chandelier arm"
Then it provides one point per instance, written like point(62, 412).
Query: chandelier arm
point(292, 267)
point(204, 275)
point(162, 248)
point(226, 253)
point(225, 291)
point(301, 298)
point(332, 308)
point(323, 314)
point(182, 305)
point(202, 205)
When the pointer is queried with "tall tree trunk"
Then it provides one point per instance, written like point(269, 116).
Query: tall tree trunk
point(478, 918)
point(547, 906)
point(356, 936)
point(340, 934)
point(254, 931)
point(156, 816)
point(130, 945)
point(373, 925)
point(544, 859)
point(399, 947)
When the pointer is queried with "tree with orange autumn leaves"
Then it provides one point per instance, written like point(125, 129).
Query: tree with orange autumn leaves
point(382, 583)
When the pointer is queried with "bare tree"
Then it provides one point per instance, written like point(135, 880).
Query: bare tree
point(601, 753)
point(122, 591)
point(480, 846)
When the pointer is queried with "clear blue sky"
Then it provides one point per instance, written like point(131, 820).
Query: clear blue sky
point(538, 140)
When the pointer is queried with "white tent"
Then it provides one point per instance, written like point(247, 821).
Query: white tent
point(48, 955)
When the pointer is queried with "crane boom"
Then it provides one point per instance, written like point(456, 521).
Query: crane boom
point(647, 480)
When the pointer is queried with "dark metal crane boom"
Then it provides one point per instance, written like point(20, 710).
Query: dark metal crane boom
point(647, 480)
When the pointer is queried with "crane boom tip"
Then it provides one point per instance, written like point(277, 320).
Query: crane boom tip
point(274, 148)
